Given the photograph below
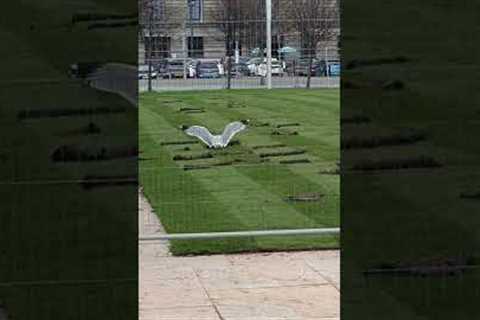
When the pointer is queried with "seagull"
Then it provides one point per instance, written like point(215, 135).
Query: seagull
point(217, 141)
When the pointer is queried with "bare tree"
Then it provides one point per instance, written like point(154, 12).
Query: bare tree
point(147, 25)
point(314, 21)
point(230, 15)
point(153, 22)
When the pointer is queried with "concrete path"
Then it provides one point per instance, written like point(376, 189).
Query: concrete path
point(265, 286)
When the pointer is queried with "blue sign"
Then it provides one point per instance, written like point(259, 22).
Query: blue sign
point(334, 69)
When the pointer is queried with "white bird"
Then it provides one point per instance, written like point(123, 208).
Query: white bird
point(217, 141)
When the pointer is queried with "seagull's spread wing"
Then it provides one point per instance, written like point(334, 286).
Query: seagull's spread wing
point(201, 133)
point(230, 130)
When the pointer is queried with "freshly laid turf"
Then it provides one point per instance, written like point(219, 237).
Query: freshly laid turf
point(236, 188)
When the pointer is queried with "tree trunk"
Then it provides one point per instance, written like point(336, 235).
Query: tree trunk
point(229, 72)
point(309, 71)
point(149, 52)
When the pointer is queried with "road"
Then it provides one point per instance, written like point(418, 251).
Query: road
point(240, 83)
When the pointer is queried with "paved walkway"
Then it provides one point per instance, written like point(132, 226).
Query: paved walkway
point(266, 286)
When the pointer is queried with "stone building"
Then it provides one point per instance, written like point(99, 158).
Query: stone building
point(197, 28)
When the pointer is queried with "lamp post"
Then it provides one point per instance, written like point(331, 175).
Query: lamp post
point(269, 43)
point(190, 5)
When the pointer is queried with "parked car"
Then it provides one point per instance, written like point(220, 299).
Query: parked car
point(161, 67)
point(277, 69)
point(143, 72)
point(207, 70)
point(333, 68)
point(175, 68)
point(240, 69)
point(253, 64)
point(301, 67)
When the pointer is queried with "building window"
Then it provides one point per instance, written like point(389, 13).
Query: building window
point(195, 47)
point(157, 48)
point(195, 9)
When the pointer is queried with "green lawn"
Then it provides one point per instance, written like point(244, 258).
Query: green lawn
point(246, 193)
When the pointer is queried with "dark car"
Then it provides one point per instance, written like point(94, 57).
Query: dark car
point(207, 70)
point(162, 69)
point(300, 67)
point(240, 69)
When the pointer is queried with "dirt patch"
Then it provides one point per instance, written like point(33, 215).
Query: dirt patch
point(380, 141)
point(283, 125)
point(396, 164)
point(393, 85)
point(438, 266)
point(57, 113)
point(191, 110)
point(334, 171)
point(378, 61)
point(68, 153)
point(475, 195)
point(172, 143)
point(357, 119)
point(259, 124)
point(281, 153)
point(91, 182)
point(294, 161)
point(269, 146)
point(235, 105)
point(90, 129)
point(284, 133)
point(304, 197)
point(181, 157)
point(189, 167)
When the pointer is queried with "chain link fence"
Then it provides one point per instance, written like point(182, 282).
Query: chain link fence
point(221, 44)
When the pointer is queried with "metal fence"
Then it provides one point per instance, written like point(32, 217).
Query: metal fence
point(223, 44)
point(234, 44)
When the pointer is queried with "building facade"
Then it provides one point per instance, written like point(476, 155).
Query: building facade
point(198, 29)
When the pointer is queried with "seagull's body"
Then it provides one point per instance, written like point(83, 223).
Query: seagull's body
point(216, 141)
